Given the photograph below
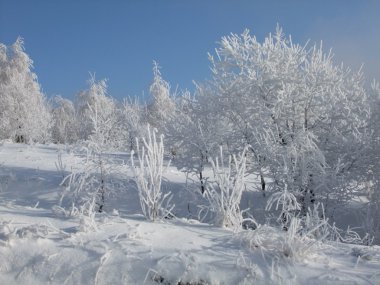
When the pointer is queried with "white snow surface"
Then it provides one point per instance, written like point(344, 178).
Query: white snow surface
point(39, 246)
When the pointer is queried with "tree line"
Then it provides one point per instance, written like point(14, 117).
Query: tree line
point(305, 124)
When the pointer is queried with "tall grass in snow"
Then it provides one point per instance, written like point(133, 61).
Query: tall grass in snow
point(148, 173)
point(224, 195)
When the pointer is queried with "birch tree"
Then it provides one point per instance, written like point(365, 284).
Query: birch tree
point(24, 114)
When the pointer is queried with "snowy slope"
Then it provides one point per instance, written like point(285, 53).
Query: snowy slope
point(40, 246)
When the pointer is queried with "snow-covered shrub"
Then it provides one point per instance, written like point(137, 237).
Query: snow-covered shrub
point(224, 195)
point(316, 223)
point(302, 234)
point(85, 190)
point(264, 238)
point(148, 173)
point(295, 243)
point(364, 253)
point(299, 242)
point(6, 231)
point(10, 230)
point(286, 203)
point(194, 136)
point(86, 214)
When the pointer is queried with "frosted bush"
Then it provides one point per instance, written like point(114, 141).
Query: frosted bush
point(79, 190)
point(6, 231)
point(87, 222)
point(303, 237)
point(297, 242)
point(286, 203)
point(224, 195)
point(148, 173)
point(10, 230)
point(294, 243)
point(264, 238)
point(316, 224)
point(85, 191)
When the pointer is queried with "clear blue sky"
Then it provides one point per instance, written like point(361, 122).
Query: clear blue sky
point(119, 40)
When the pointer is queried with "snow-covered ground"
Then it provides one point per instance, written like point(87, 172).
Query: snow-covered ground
point(40, 246)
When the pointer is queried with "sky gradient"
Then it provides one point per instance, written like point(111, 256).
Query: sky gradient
point(119, 40)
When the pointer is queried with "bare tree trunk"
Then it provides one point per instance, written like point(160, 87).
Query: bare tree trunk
point(102, 188)
point(202, 182)
point(262, 183)
point(308, 196)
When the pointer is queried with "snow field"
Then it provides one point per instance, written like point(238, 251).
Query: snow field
point(39, 245)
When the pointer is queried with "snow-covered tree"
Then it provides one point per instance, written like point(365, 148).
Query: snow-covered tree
point(371, 213)
point(97, 114)
point(85, 190)
point(162, 107)
point(64, 127)
point(374, 152)
point(193, 135)
point(24, 115)
point(133, 122)
point(285, 99)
